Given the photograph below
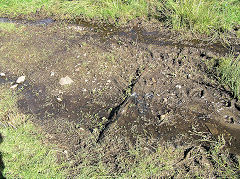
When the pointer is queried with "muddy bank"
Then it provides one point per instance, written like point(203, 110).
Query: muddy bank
point(127, 84)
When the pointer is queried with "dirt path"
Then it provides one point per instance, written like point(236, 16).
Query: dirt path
point(128, 83)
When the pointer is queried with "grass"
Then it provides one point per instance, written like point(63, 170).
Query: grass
point(228, 71)
point(23, 7)
point(8, 27)
point(204, 16)
point(165, 162)
point(105, 9)
point(101, 9)
point(23, 154)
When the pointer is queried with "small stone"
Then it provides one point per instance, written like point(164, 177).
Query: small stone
point(21, 79)
point(162, 117)
point(81, 129)
point(153, 80)
point(178, 86)
point(65, 81)
point(2, 74)
point(59, 99)
point(14, 86)
point(78, 69)
point(134, 94)
point(164, 100)
point(52, 73)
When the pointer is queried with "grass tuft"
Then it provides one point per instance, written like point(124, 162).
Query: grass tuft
point(205, 16)
point(228, 69)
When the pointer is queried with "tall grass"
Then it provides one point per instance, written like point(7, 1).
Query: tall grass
point(204, 16)
point(104, 9)
point(15, 8)
point(228, 70)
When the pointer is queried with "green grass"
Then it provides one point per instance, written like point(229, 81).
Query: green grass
point(15, 8)
point(204, 16)
point(24, 155)
point(23, 152)
point(166, 162)
point(8, 27)
point(101, 9)
point(228, 71)
point(105, 9)
point(220, 157)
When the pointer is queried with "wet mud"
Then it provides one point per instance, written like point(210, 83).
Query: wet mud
point(46, 21)
point(128, 83)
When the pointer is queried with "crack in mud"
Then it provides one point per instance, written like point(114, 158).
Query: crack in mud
point(113, 116)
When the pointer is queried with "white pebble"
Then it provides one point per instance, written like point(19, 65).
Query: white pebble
point(21, 79)
point(14, 86)
point(52, 73)
point(65, 81)
point(59, 99)
point(178, 86)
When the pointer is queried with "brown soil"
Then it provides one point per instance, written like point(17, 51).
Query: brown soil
point(137, 82)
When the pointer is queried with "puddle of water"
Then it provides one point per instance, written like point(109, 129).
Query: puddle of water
point(46, 21)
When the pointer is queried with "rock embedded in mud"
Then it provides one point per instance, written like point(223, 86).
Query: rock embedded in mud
point(21, 79)
point(2, 74)
point(14, 86)
point(59, 99)
point(65, 81)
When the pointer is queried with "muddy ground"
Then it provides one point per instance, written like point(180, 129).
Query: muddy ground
point(142, 81)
